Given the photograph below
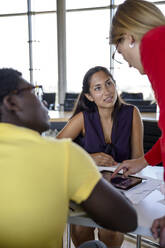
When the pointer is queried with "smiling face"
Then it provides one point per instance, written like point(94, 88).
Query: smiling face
point(130, 51)
point(102, 90)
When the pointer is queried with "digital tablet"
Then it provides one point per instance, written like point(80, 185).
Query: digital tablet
point(121, 182)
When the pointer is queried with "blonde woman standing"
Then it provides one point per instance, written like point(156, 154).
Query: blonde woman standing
point(138, 31)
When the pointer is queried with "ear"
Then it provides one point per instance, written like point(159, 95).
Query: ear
point(131, 39)
point(11, 103)
point(89, 97)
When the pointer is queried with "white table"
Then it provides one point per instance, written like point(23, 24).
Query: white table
point(150, 208)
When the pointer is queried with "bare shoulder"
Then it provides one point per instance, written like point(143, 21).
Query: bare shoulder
point(78, 117)
point(136, 113)
point(137, 120)
point(77, 120)
point(73, 127)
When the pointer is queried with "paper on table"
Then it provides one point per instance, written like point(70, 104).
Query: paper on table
point(140, 191)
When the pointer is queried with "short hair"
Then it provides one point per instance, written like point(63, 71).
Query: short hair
point(135, 17)
point(9, 81)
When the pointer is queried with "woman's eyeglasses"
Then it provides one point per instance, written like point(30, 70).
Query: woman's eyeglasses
point(114, 54)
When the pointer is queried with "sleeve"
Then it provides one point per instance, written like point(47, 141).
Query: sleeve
point(153, 156)
point(83, 174)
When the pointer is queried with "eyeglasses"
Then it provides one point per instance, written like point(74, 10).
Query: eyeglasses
point(114, 53)
point(38, 90)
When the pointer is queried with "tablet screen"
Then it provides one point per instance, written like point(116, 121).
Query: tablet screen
point(120, 182)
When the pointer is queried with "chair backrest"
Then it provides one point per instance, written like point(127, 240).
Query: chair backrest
point(151, 134)
point(137, 100)
point(57, 125)
point(143, 105)
point(127, 95)
point(69, 95)
point(70, 100)
point(50, 98)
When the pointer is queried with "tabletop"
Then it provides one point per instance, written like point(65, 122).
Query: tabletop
point(63, 116)
point(148, 209)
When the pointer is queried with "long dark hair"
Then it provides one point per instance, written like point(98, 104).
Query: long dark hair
point(83, 104)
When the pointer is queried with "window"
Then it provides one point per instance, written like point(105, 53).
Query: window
point(38, 5)
point(87, 45)
point(75, 4)
point(16, 6)
point(45, 51)
point(14, 44)
point(87, 27)
point(130, 80)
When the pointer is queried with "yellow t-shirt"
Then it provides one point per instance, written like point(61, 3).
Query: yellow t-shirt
point(38, 177)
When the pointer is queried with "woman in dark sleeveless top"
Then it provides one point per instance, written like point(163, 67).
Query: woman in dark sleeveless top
point(107, 128)
point(94, 141)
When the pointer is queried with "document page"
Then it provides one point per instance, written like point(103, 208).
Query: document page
point(140, 191)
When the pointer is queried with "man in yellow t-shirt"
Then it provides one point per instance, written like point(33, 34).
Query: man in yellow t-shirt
point(38, 177)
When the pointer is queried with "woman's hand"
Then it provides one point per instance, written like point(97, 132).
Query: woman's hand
point(103, 159)
point(130, 167)
point(158, 230)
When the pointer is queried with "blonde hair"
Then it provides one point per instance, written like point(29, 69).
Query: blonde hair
point(135, 17)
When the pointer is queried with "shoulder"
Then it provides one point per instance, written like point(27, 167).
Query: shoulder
point(136, 110)
point(127, 108)
point(155, 34)
point(132, 109)
point(48, 147)
point(125, 115)
point(78, 116)
point(136, 115)
point(73, 127)
point(151, 44)
point(50, 141)
point(130, 112)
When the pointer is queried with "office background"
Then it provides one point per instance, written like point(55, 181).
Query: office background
point(55, 42)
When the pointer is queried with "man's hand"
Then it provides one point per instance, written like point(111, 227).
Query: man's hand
point(130, 167)
point(103, 159)
point(158, 230)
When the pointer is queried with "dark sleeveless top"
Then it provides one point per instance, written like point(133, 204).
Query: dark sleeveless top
point(93, 141)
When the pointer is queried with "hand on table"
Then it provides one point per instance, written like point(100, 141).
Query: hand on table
point(158, 230)
point(103, 159)
point(130, 167)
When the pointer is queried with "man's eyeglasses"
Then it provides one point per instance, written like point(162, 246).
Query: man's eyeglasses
point(38, 91)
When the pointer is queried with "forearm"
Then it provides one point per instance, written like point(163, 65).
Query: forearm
point(103, 159)
point(111, 209)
